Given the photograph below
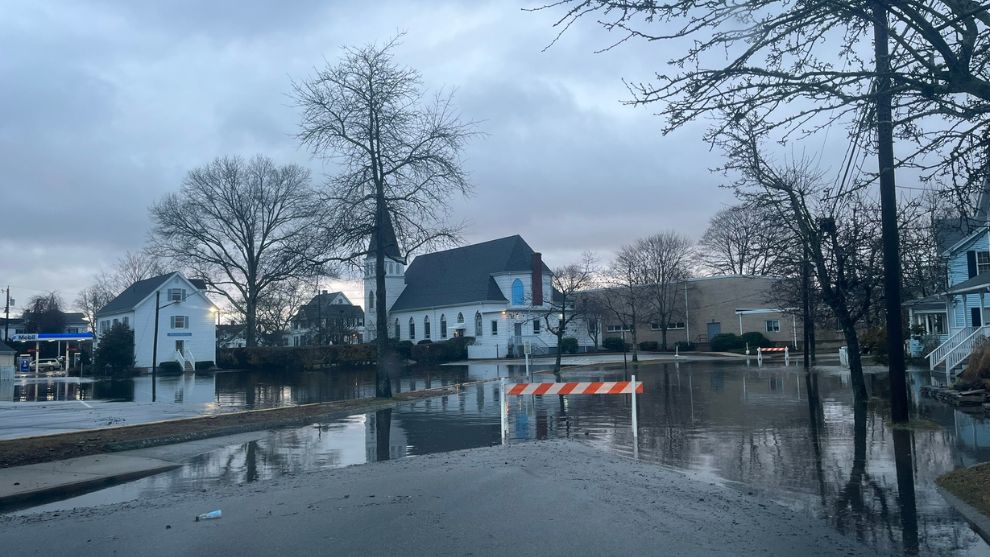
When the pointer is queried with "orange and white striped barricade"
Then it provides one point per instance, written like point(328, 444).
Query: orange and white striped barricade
point(785, 351)
point(631, 387)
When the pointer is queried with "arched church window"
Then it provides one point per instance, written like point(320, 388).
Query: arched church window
point(371, 300)
point(518, 295)
point(398, 331)
point(426, 327)
point(477, 324)
point(443, 326)
point(412, 329)
point(460, 317)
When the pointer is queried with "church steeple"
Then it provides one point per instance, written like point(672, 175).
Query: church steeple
point(389, 240)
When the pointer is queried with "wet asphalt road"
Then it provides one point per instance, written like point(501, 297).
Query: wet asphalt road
point(537, 498)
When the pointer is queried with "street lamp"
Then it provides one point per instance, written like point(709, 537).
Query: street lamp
point(154, 346)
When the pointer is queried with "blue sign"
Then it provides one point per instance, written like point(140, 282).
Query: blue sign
point(52, 337)
point(25, 365)
point(180, 334)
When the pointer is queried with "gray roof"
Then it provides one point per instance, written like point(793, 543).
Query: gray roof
point(975, 284)
point(132, 296)
point(463, 275)
point(321, 306)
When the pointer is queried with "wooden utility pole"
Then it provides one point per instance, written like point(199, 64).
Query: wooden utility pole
point(888, 215)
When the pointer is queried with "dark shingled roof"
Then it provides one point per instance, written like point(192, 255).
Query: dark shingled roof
point(390, 241)
point(463, 275)
point(134, 293)
point(321, 306)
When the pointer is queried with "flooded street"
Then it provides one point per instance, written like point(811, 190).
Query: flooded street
point(794, 437)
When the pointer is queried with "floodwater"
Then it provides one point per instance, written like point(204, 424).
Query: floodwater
point(794, 437)
point(248, 389)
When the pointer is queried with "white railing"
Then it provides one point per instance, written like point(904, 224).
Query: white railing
point(938, 355)
point(190, 361)
point(182, 359)
point(537, 346)
point(964, 348)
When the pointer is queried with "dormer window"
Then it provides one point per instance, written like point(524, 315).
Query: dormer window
point(176, 294)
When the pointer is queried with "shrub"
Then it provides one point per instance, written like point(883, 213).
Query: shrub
point(116, 351)
point(683, 346)
point(874, 341)
point(756, 340)
point(205, 365)
point(298, 357)
point(726, 342)
point(170, 368)
point(649, 346)
point(614, 344)
point(568, 345)
point(977, 370)
point(437, 352)
point(425, 341)
point(404, 348)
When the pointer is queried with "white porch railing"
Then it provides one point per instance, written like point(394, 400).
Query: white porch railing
point(964, 348)
point(186, 360)
point(938, 355)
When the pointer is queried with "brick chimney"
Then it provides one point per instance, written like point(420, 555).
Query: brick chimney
point(537, 279)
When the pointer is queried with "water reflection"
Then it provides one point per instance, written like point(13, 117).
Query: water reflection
point(796, 437)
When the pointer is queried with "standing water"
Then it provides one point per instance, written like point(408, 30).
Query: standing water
point(794, 437)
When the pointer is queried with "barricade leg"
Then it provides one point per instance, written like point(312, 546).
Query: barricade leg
point(503, 418)
point(635, 419)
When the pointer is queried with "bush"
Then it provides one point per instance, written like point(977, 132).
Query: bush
point(614, 344)
point(436, 352)
point(404, 348)
point(874, 341)
point(727, 342)
point(568, 345)
point(116, 351)
point(298, 357)
point(977, 370)
point(756, 340)
point(649, 346)
point(425, 341)
point(169, 368)
point(205, 365)
point(683, 346)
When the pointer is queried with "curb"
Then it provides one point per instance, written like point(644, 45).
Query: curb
point(976, 519)
point(62, 491)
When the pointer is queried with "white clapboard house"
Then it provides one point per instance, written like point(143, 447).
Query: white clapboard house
point(186, 323)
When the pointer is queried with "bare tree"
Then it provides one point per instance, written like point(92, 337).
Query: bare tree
point(243, 227)
point(664, 262)
point(132, 267)
point(798, 67)
point(566, 307)
point(399, 159)
point(625, 296)
point(44, 314)
point(838, 230)
point(741, 240)
point(276, 308)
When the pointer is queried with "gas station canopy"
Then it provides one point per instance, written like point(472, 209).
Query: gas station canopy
point(52, 337)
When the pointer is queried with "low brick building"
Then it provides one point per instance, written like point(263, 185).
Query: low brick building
point(719, 304)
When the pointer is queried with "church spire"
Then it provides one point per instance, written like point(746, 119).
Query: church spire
point(389, 240)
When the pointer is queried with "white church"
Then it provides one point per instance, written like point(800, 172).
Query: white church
point(498, 292)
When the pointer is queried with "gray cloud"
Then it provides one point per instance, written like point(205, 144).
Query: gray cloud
point(106, 105)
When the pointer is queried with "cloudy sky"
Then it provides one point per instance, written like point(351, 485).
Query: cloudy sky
point(106, 105)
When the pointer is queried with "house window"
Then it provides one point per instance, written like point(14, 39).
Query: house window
point(773, 325)
point(127, 321)
point(104, 326)
point(115, 322)
point(176, 294)
point(460, 317)
point(371, 300)
point(180, 322)
point(982, 261)
point(443, 326)
point(398, 331)
point(477, 324)
point(518, 295)
point(426, 327)
point(494, 327)
point(412, 329)
point(618, 328)
point(536, 326)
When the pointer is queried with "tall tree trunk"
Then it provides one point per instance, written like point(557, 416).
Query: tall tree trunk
point(855, 361)
point(560, 340)
point(663, 338)
point(251, 321)
point(386, 358)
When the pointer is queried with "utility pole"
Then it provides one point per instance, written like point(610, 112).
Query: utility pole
point(154, 349)
point(888, 215)
point(6, 316)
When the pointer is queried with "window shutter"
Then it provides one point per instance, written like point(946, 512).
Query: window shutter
point(971, 263)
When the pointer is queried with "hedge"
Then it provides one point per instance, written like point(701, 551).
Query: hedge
point(614, 344)
point(726, 342)
point(568, 345)
point(649, 346)
point(683, 346)
point(451, 350)
point(205, 365)
point(170, 368)
point(756, 340)
point(297, 357)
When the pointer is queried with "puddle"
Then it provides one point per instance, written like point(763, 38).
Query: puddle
point(794, 437)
